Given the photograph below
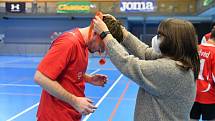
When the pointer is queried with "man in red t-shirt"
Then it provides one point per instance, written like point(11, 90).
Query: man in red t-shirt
point(205, 98)
point(61, 74)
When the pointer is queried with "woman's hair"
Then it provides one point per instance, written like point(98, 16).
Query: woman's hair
point(114, 27)
point(180, 43)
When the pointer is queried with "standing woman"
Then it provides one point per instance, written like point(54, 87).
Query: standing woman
point(167, 83)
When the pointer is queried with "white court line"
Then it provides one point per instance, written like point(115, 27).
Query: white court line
point(26, 110)
point(35, 105)
point(103, 97)
point(14, 61)
point(95, 71)
point(26, 85)
point(19, 85)
point(105, 69)
point(18, 94)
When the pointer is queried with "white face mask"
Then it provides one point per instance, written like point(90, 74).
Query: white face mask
point(156, 43)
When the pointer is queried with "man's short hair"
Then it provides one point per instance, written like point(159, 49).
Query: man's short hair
point(114, 27)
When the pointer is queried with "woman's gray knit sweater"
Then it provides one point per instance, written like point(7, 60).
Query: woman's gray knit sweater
point(166, 92)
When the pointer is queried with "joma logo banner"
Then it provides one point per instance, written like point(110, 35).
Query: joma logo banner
point(15, 7)
point(138, 6)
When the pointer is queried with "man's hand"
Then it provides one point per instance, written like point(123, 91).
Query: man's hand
point(98, 80)
point(84, 105)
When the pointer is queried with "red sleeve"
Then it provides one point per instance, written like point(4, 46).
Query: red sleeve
point(213, 67)
point(57, 58)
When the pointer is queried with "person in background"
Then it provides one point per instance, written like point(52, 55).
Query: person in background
point(206, 37)
point(165, 74)
point(205, 98)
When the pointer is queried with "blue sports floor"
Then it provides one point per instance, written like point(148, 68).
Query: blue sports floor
point(19, 95)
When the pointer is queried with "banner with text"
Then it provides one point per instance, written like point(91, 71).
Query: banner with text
point(74, 7)
point(138, 5)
